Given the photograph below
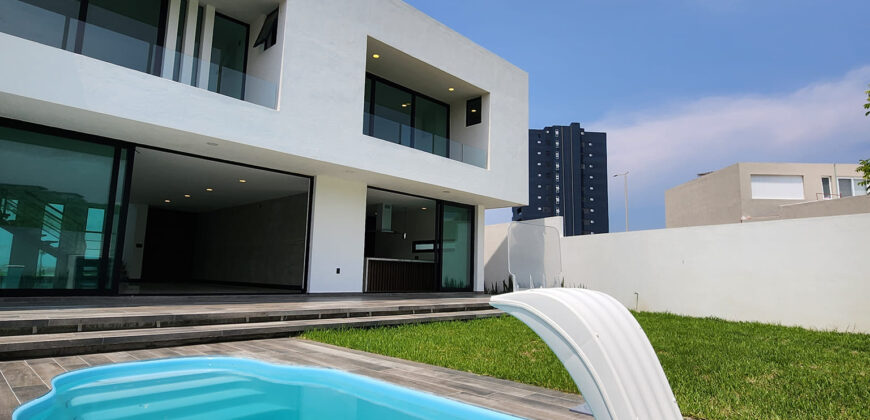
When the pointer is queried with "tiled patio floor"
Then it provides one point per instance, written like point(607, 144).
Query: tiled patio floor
point(23, 380)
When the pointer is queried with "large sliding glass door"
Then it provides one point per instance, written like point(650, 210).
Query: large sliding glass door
point(417, 244)
point(60, 202)
point(457, 246)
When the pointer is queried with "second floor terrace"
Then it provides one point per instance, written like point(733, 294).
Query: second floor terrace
point(221, 46)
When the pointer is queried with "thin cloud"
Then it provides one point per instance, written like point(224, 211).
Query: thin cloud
point(715, 132)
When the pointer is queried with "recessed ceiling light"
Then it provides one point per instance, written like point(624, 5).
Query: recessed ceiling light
point(243, 181)
point(404, 105)
point(451, 89)
point(376, 56)
point(186, 195)
point(422, 208)
point(473, 110)
point(209, 189)
point(167, 201)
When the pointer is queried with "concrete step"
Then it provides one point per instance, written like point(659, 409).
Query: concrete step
point(61, 344)
point(61, 321)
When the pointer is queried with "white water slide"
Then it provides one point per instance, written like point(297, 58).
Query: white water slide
point(600, 343)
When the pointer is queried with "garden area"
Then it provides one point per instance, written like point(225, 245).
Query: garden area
point(717, 369)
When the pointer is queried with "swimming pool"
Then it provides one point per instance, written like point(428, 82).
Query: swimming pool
point(216, 388)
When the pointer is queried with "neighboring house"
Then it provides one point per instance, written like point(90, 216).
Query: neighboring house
point(568, 178)
point(746, 192)
point(273, 145)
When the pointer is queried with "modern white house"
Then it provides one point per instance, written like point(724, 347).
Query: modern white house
point(185, 146)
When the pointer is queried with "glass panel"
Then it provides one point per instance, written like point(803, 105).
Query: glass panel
point(49, 22)
point(125, 33)
point(116, 217)
point(858, 189)
point(197, 43)
point(826, 187)
point(457, 228)
point(367, 116)
point(51, 226)
point(392, 120)
point(228, 54)
point(845, 187)
point(430, 122)
point(179, 40)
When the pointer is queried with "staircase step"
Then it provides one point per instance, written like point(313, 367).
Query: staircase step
point(60, 322)
point(61, 344)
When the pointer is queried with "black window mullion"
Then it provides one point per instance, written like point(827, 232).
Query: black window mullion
point(372, 107)
point(413, 121)
point(108, 218)
point(80, 31)
point(122, 219)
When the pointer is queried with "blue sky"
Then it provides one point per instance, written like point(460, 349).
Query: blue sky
point(687, 86)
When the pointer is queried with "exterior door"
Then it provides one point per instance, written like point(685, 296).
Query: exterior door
point(457, 230)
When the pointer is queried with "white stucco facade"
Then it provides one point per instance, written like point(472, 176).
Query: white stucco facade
point(318, 68)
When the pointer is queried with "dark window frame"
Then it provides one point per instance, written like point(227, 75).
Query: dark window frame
point(268, 37)
point(414, 94)
point(439, 233)
point(473, 118)
point(244, 62)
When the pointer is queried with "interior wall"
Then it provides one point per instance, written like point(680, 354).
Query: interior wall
point(418, 225)
point(261, 242)
point(134, 239)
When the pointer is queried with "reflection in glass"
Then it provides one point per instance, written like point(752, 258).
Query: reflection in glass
point(52, 223)
point(125, 33)
point(49, 22)
point(392, 118)
point(430, 123)
point(457, 228)
point(228, 55)
point(367, 103)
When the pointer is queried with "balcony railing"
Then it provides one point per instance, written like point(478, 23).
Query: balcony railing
point(70, 34)
point(395, 132)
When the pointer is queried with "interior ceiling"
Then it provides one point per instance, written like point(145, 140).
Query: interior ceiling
point(247, 11)
point(160, 176)
point(399, 201)
point(414, 74)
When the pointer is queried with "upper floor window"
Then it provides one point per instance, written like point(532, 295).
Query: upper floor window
point(160, 37)
point(473, 111)
point(849, 187)
point(269, 32)
point(399, 115)
point(126, 33)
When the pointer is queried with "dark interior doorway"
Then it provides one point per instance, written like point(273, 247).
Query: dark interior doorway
point(199, 226)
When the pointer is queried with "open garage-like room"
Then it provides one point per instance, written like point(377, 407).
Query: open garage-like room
point(199, 226)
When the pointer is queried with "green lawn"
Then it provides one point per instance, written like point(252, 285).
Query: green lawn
point(717, 369)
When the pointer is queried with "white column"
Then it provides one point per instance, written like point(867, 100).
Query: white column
point(337, 249)
point(477, 253)
point(205, 45)
point(169, 42)
point(187, 50)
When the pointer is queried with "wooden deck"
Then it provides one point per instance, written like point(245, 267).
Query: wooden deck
point(24, 380)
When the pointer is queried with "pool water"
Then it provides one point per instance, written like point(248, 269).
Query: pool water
point(216, 388)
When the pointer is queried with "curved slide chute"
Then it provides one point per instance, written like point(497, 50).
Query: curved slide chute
point(602, 346)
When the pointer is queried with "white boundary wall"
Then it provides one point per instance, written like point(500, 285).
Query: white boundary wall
point(812, 272)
